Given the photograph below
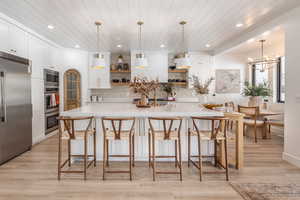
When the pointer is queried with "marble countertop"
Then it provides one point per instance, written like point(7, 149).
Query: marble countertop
point(130, 110)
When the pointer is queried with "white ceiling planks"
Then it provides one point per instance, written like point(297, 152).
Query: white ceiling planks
point(209, 21)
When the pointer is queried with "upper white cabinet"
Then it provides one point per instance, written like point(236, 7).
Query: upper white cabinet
point(157, 66)
point(4, 34)
point(13, 40)
point(18, 41)
point(99, 78)
point(38, 54)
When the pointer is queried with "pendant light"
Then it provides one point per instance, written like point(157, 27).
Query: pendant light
point(182, 60)
point(98, 61)
point(140, 59)
point(263, 62)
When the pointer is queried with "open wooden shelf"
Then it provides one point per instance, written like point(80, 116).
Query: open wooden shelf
point(177, 71)
point(120, 71)
point(119, 84)
point(178, 83)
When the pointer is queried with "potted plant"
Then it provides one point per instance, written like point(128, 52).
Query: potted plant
point(168, 88)
point(201, 88)
point(256, 93)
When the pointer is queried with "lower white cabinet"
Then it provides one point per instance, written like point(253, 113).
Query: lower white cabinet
point(99, 78)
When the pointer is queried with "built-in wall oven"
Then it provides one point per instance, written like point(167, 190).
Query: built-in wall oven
point(52, 100)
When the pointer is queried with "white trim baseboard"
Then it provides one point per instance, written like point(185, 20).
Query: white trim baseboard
point(294, 160)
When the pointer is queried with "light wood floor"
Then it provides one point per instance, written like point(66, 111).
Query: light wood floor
point(33, 176)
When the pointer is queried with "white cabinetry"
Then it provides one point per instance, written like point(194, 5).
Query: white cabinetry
point(18, 41)
point(4, 33)
point(99, 78)
point(157, 66)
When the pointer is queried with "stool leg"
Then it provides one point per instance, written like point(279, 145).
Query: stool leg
point(215, 156)
point(189, 147)
point(255, 135)
point(85, 155)
point(107, 153)
point(149, 147)
point(133, 151)
point(59, 157)
point(199, 157)
point(104, 157)
point(69, 153)
point(153, 156)
point(176, 152)
point(226, 160)
point(180, 161)
point(95, 147)
point(130, 157)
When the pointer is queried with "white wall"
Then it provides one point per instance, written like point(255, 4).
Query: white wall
point(292, 105)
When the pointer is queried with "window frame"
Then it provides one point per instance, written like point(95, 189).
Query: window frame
point(279, 82)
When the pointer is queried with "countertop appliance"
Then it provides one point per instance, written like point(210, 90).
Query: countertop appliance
point(51, 85)
point(15, 106)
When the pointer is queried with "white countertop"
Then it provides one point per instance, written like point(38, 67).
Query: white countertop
point(130, 110)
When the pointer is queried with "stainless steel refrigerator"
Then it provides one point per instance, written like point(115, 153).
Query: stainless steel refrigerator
point(15, 106)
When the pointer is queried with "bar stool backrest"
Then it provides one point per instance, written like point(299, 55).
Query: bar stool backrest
point(230, 104)
point(218, 125)
point(116, 124)
point(167, 125)
point(69, 124)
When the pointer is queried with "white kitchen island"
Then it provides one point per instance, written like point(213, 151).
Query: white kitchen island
point(184, 110)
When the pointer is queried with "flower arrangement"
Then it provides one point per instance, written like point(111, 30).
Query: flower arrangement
point(199, 86)
point(262, 90)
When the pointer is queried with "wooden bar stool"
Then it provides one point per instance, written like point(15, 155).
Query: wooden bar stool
point(68, 132)
point(167, 134)
point(116, 133)
point(217, 133)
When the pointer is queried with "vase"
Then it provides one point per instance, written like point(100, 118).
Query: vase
point(255, 101)
point(203, 98)
point(144, 100)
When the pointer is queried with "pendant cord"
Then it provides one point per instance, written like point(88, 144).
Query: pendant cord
point(98, 38)
point(140, 38)
point(183, 42)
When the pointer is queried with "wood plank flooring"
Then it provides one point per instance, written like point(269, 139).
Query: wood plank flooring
point(33, 176)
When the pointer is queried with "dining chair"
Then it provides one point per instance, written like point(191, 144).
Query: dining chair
point(273, 122)
point(251, 118)
point(170, 132)
point(217, 134)
point(114, 130)
point(67, 131)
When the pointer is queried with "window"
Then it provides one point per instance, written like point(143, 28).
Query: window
point(281, 80)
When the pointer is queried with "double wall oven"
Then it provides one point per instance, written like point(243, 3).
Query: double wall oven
point(51, 81)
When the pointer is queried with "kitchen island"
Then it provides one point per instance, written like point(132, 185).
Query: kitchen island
point(171, 109)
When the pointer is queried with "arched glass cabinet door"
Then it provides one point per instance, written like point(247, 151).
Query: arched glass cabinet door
point(72, 89)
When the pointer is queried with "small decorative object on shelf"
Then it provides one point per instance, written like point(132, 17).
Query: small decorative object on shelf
point(144, 87)
point(256, 93)
point(201, 88)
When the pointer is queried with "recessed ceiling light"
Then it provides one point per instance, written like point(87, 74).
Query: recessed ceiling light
point(239, 25)
point(77, 46)
point(266, 33)
point(162, 46)
point(251, 40)
point(119, 46)
point(50, 26)
point(207, 45)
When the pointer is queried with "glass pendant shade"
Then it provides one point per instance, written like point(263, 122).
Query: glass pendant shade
point(140, 61)
point(183, 62)
point(120, 59)
point(98, 61)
